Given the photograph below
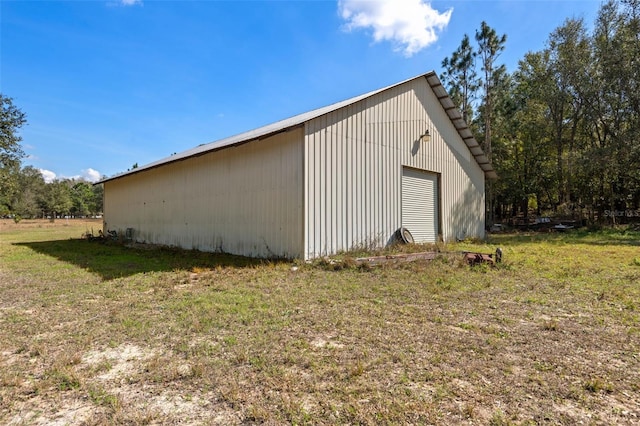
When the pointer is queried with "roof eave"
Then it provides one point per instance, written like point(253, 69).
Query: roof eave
point(461, 125)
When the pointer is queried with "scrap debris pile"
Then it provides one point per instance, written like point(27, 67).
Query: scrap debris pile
point(472, 258)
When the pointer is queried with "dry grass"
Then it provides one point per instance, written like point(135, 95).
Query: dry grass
point(97, 333)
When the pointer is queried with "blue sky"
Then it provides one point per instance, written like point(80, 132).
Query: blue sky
point(106, 84)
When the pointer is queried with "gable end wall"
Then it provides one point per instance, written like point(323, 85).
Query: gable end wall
point(353, 169)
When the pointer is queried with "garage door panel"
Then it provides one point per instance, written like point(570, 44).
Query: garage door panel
point(420, 204)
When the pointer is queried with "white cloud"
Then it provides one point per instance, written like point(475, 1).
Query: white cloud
point(48, 175)
point(411, 24)
point(91, 175)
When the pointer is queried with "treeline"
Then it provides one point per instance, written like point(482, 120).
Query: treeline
point(23, 190)
point(25, 194)
point(563, 129)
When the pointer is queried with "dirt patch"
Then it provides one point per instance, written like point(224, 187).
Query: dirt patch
point(120, 362)
point(63, 414)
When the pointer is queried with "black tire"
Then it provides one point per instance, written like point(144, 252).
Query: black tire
point(404, 236)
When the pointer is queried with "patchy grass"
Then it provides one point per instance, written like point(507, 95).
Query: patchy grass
point(96, 333)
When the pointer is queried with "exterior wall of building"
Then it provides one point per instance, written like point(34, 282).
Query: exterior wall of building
point(245, 200)
point(353, 170)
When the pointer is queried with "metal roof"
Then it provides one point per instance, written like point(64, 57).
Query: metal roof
point(298, 120)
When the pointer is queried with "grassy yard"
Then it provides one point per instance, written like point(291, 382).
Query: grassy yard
point(95, 333)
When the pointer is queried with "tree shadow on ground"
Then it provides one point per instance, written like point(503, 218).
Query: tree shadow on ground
point(605, 237)
point(112, 260)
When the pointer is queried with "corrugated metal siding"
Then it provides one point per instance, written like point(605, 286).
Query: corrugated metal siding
point(420, 204)
point(353, 170)
point(245, 200)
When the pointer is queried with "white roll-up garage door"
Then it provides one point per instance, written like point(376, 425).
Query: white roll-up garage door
point(420, 204)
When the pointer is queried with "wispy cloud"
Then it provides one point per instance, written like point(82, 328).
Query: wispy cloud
point(411, 24)
point(130, 2)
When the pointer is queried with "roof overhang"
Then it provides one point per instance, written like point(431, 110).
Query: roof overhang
point(461, 125)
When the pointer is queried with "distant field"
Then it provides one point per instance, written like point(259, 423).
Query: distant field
point(9, 224)
point(96, 333)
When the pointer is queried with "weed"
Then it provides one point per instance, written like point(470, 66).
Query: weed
point(498, 418)
point(64, 379)
point(550, 325)
point(101, 397)
point(356, 370)
point(466, 326)
point(10, 379)
point(596, 384)
point(543, 366)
